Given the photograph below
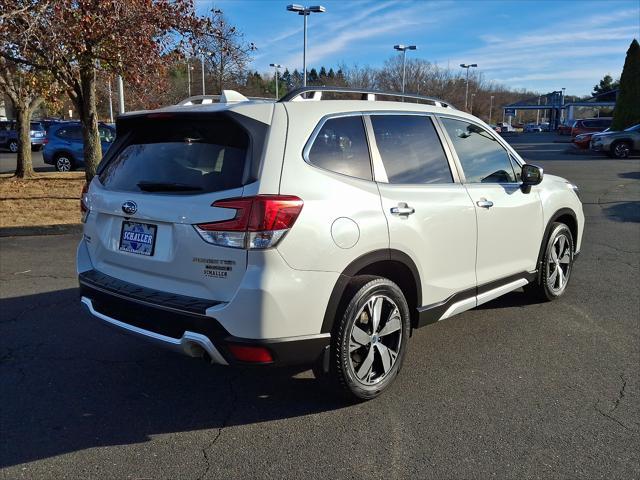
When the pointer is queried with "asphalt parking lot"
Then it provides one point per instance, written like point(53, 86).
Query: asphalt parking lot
point(8, 162)
point(512, 389)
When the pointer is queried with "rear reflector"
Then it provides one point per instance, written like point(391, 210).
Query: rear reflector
point(250, 353)
point(260, 221)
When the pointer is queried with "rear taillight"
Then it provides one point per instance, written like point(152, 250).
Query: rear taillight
point(260, 222)
point(84, 209)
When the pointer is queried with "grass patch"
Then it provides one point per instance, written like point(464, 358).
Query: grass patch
point(47, 199)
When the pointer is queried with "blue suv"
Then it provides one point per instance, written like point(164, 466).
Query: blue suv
point(9, 135)
point(64, 147)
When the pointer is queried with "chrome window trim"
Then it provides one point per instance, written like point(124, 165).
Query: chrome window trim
point(453, 169)
point(511, 153)
point(314, 134)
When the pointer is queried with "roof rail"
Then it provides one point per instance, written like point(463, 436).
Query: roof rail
point(298, 95)
point(228, 96)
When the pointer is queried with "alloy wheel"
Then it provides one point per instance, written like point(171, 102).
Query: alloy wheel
point(375, 339)
point(13, 147)
point(63, 164)
point(559, 267)
point(621, 150)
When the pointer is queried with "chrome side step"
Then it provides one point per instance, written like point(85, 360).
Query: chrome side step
point(469, 303)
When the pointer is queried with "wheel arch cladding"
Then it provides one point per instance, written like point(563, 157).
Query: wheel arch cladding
point(393, 264)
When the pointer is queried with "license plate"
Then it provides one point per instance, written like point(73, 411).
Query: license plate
point(138, 238)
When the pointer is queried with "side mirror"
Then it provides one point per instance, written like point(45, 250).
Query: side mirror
point(531, 175)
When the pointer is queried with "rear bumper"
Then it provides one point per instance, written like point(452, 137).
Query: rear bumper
point(180, 324)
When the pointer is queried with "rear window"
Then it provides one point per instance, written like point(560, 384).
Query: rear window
point(179, 156)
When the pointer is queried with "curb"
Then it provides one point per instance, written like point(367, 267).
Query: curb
point(41, 230)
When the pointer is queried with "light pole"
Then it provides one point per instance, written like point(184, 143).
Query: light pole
point(276, 66)
point(110, 103)
point(305, 12)
point(473, 95)
point(120, 94)
point(490, 107)
point(466, 92)
point(562, 103)
point(538, 112)
point(189, 68)
point(403, 49)
point(202, 64)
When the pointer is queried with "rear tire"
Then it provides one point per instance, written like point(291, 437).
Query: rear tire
point(557, 264)
point(370, 340)
point(13, 146)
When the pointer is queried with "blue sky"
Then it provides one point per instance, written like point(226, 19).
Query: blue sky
point(542, 45)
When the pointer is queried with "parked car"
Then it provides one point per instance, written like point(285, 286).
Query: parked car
point(545, 126)
point(590, 125)
point(583, 140)
point(9, 135)
point(565, 128)
point(315, 232)
point(617, 144)
point(532, 127)
point(64, 146)
point(505, 127)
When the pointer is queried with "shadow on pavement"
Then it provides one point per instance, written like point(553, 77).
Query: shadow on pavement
point(510, 300)
point(624, 212)
point(630, 175)
point(70, 383)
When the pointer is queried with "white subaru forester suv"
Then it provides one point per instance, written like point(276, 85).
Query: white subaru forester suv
point(316, 230)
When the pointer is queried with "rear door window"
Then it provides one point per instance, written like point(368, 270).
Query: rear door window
point(341, 146)
point(179, 156)
point(70, 133)
point(410, 149)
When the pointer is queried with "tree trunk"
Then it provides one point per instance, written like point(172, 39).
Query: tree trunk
point(86, 104)
point(24, 165)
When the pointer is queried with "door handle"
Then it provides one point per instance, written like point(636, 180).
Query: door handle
point(402, 209)
point(484, 203)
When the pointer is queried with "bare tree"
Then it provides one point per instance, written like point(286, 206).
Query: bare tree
point(225, 51)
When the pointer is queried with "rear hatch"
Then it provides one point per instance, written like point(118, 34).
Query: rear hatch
point(161, 177)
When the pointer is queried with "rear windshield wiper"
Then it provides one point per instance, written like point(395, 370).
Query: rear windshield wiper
point(167, 187)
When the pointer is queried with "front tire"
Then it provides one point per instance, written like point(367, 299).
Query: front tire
point(557, 264)
point(13, 146)
point(370, 340)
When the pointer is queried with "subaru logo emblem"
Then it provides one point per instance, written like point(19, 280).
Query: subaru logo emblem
point(129, 207)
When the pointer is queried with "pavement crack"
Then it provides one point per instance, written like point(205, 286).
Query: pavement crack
point(616, 403)
point(224, 424)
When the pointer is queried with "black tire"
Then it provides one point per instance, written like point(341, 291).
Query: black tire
point(548, 286)
point(64, 162)
point(36, 148)
point(621, 149)
point(360, 367)
point(13, 146)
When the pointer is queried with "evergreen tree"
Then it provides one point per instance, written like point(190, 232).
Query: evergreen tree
point(286, 79)
point(627, 111)
point(605, 85)
point(323, 73)
point(296, 79)
point(312, 76)
point(331, 74)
